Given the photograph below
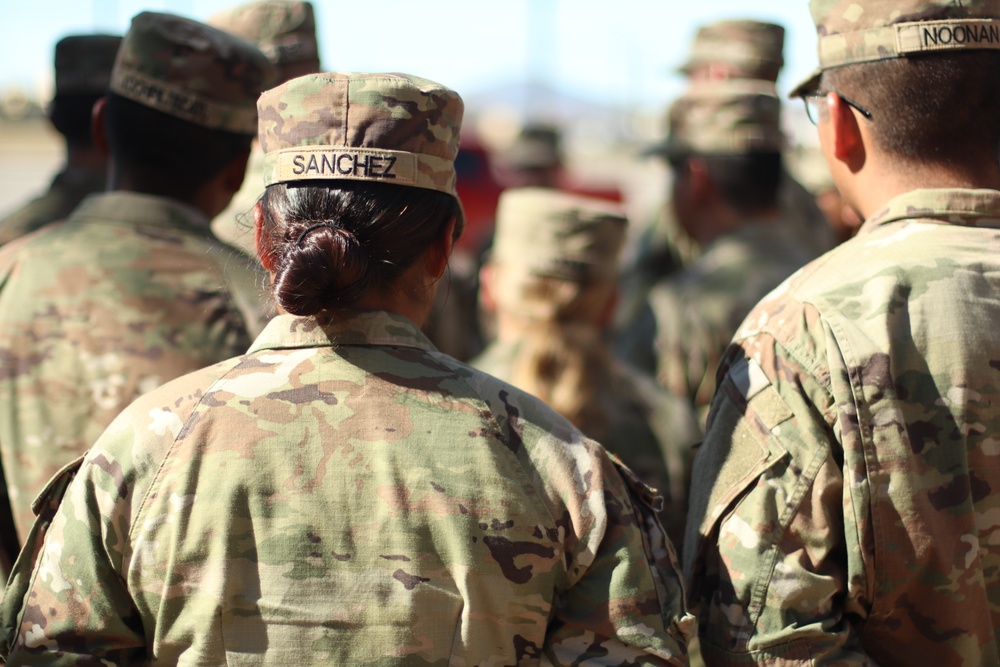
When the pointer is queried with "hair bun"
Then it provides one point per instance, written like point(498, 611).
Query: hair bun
point(327, 266)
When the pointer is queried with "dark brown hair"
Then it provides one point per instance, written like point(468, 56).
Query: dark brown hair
point(175, 155)
point(329, 245)
point(940, 108)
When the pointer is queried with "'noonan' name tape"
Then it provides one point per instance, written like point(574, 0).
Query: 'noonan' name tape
point(901, 39)
point(360, 164)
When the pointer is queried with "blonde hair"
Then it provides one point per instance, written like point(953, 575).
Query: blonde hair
point(563, 356)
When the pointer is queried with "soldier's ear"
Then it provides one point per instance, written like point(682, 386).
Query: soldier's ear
point(266, 257)
point(97, 128)
point(699, 180)
point(848, 140)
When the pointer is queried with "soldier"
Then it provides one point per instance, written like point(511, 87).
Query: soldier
point(83, 68)
point(724, 148)
point(134, 289)
point(748, 49)
point(844, 501)
point(285, 30)
point(344, 493)
point(551, 283)
point(721, 51)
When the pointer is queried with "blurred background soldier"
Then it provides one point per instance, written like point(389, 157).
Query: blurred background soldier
point(551, 280)
point(83, 69)
point(724, 149)
point(285, 31)
point(535, 158)
point(134, 289)
point(725, 50)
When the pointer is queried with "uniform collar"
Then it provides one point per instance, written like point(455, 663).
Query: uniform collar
point(346, 327)
point(948, 206)
point(142, 209)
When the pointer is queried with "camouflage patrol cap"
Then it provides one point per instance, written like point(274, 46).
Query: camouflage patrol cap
point(751, 47)
point(84, 62)
point(388, 128)
point(285, 30)
point(192, 71)
point(546, 232)
point(859, 31)
point(724, 117)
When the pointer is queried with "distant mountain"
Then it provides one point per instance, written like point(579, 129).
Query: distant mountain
point(535, 99)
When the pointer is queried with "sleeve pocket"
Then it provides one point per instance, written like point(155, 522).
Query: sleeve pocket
point(738, 449)
point(44, 507)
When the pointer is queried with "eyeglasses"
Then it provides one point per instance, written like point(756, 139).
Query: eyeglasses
point(814, 100)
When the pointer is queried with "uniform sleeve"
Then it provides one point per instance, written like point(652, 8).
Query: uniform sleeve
point(774, 567)
point(624, 604)
point(67, 602)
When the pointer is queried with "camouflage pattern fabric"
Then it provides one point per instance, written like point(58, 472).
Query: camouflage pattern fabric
point(698, 310)
point(130, 292)
point(192, 71)
point(336, 126)
point(663, 249)
point(850, 32)
point(65, 193)
point(844, 503)
point(344, 492)
point(651, 430)
point(284, 30)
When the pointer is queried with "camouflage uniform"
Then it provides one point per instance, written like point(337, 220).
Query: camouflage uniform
point(82, 67)
point(343, 492)
point(651, 430)
point(69, 187)
point(285, 31)
point(698, 310)
point(382, 504)
point(133, 290)
point(843, 505)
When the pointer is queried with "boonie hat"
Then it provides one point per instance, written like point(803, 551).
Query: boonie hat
point(83, 63)
point(732, 117)
point(192, 71)
point(285, 30)
point(752, 47)
point(351, 126)
point(547, 232)
point(859, 31)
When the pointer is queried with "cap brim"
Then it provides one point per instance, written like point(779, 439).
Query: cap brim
point(805, 86)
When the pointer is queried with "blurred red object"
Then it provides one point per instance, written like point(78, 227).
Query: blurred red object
point(479, 189)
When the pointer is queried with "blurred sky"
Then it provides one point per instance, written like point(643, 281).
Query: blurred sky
point(617, 51)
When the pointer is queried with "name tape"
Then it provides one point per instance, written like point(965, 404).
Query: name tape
point(947, 35)
point(898, 40)
point(364, 164)
point(183, 104)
